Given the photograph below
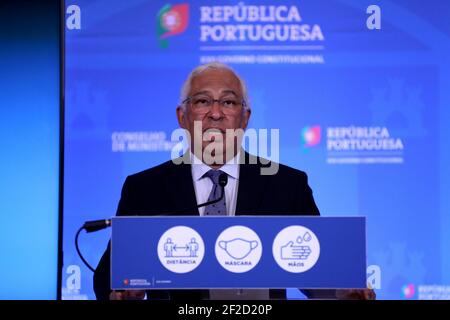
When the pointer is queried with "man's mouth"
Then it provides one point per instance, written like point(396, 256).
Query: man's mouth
point(214, 130)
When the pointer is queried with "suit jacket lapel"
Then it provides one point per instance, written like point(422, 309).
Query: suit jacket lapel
point(181, 190)
point(251, 188)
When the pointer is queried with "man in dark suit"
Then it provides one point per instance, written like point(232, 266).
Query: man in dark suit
point(168, 189)
point(214, 101)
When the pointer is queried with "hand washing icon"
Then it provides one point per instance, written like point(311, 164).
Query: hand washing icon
point(296, 249)
point(238, 248)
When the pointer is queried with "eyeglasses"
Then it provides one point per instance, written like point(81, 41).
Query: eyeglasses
point(204, 103)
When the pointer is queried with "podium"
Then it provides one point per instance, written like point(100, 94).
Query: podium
point(180, 252)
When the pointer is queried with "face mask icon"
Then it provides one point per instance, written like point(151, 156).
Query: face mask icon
point(238, 248)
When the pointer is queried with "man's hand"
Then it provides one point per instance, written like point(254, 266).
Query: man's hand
point(355, 294)
point(127, 295)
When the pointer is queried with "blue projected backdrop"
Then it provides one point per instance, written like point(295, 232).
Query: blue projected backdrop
point(29, 162)
point(357, 91)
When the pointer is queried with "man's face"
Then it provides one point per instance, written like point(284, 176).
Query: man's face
point(211, 84)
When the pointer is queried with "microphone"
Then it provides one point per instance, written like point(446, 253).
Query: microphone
point(223, 180)
point(95, 225)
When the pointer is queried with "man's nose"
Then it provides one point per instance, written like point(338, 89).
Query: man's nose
point(216, 110)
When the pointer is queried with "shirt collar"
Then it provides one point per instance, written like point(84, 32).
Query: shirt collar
point(231, 168)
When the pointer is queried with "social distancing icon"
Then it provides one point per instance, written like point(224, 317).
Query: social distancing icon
point(181, 249)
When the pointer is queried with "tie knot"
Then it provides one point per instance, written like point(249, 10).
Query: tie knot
point(214, 175)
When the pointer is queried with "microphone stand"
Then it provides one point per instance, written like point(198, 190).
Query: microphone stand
point(96, 225)
point(90, 226)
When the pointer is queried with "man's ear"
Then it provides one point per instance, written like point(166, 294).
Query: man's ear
point(181, 117)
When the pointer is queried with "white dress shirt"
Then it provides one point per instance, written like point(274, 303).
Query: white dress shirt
point(204, 185)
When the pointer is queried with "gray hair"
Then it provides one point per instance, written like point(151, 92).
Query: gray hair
point(217, 66)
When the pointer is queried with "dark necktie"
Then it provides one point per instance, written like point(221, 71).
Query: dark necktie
point(218, 208)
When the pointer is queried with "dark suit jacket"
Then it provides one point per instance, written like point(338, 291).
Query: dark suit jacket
point(169, 189)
